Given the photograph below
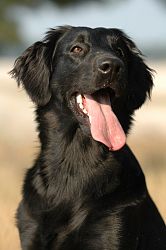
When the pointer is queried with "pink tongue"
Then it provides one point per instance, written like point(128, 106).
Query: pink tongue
point(105, 126)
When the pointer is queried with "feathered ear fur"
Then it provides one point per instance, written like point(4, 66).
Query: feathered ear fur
point(140, 76)
point(33, 68)
point(32, 71)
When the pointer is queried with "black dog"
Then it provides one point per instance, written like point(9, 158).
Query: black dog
point(86, 190)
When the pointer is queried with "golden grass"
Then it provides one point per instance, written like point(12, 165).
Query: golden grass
point(8, 203)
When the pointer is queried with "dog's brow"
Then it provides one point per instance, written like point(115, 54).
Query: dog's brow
point(83, 37)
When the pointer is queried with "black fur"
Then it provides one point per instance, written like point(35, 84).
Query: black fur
point(79, 195)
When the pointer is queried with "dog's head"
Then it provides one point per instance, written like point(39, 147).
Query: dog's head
point(97, 74)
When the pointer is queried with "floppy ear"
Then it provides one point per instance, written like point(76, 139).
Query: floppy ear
point(140, 76)
point(32, 71)
point(33, 68)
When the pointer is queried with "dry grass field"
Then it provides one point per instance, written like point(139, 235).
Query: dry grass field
point(18, 146)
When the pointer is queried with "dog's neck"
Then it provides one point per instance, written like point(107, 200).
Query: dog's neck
point(73, 159)
point(72, 167)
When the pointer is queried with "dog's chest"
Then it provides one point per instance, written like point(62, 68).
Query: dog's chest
point(80, 233)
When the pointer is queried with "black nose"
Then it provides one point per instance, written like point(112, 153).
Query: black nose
point(109, 65)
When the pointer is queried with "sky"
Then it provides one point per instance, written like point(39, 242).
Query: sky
point(142, 20)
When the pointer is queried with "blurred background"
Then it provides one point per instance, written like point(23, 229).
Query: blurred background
point(23, 22)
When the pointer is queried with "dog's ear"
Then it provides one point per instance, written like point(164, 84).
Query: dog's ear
point(140, 76)
point(33, 68)
point(32, 71)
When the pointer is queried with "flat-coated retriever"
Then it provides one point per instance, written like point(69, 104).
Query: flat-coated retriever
point(86, 190)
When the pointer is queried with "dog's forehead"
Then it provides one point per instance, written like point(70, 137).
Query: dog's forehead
point(89, 35)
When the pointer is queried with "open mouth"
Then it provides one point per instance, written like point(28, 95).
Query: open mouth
point(95, 109)
point(80, 104)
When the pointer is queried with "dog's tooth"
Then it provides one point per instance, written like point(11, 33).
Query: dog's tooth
point(85, 111)
point(79, 99)
point(81, 105)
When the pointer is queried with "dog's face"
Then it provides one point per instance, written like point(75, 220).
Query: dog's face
point(97, 74)
point(88, 60)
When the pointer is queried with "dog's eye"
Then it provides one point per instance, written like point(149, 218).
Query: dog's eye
point(76, 49)
point(120, 52)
